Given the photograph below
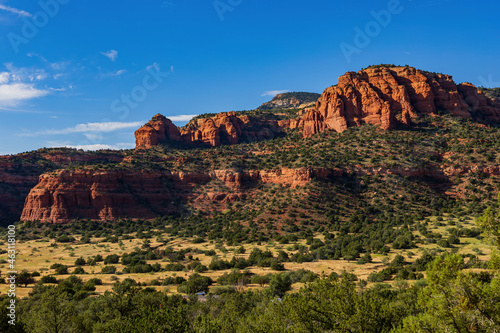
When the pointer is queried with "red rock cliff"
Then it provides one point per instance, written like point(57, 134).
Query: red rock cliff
point(158, 130)
point(224, 128)
point(388, 96)
point(64, 195)
point(105, 195)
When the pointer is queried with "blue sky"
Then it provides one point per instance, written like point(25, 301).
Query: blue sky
point(88, 73)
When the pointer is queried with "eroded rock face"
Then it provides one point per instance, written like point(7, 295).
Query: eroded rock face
point(14, 186)
point(62, 196)
point(387, 97)
point(224, 128)
point(480, 106)
point(20, 173)
point(383, 96)
point(158, 130)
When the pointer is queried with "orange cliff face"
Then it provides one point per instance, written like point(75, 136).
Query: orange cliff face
point(156, 131)
point(20, 173)
point(224, 128)
point(63, 196)
point(105, 195)
point(390, 96)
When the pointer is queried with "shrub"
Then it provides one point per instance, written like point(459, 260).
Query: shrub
point(200, 268)
point(277, 266)
point(365, 259)
point(61, 269)
point(196, 283)
point(80, 262)
point(219, 290)
point(48, 279)
point(111, 259)
point(65, 239)
point(108, 270)
point(79, 270)
point(96, 281)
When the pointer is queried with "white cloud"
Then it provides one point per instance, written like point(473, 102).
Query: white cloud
point(4, 109)
point(111, 54)
point(273, 93)
point(15, 11)
point(182, 117)
point(156, 67)
point(19, 85)
point(25, 74)
point(93, 136)
point(59, 66)
point(32, 54)
point(14, 93)
point(90, 127)
point(4, 77)
point(115, 73)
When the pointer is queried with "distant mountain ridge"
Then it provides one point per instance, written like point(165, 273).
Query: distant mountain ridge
point(290, 100)
point(493, 93)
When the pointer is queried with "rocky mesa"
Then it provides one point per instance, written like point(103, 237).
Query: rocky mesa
point(389, 96)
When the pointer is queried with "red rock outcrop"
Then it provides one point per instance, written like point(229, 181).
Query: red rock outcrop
point(62, 196)
point(65, 195)
point(388, 96)
point(104, 195)
point(156, 131)
point(224, 128)
point(14, 186)
point(480, 106)
point(19, 174)
point(382, 96)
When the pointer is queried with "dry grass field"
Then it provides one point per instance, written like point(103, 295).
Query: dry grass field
point(39, 255)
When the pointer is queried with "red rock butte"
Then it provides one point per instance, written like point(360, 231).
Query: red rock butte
point(389, 96)
point(382, 96)
point(226, 127)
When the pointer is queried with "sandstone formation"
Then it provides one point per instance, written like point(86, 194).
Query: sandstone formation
point(382, 96)
point(157, 130)
point(224, 128)
point(100, 195)
point(63, 196)
point(14, 187)
point(20, 173)
point(389, 96)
